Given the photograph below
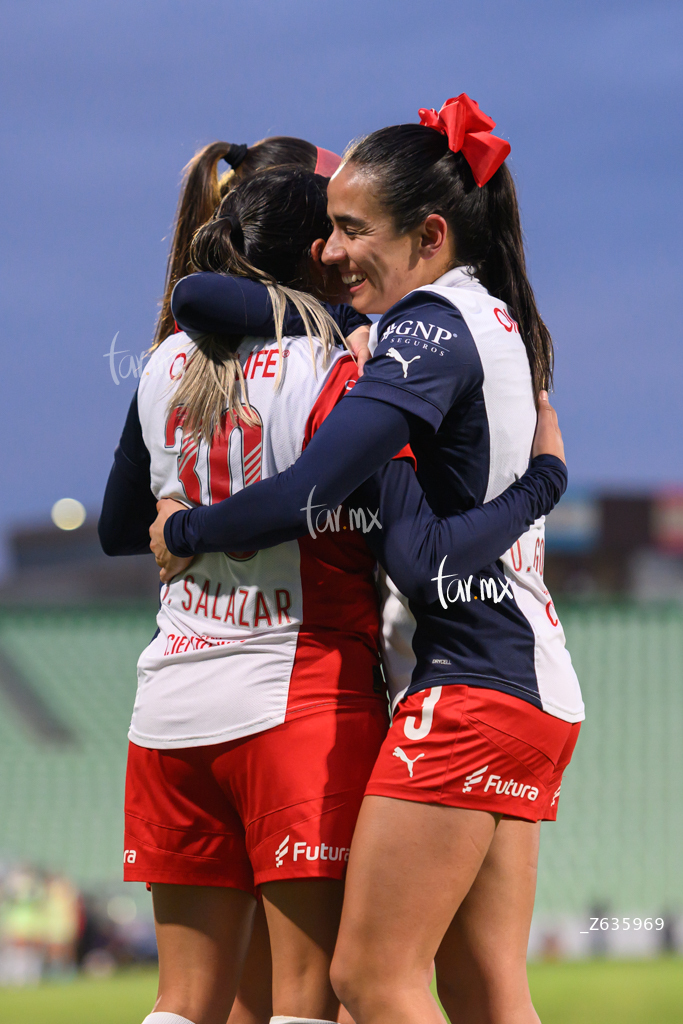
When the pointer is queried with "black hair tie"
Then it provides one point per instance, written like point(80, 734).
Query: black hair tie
point(235, 155)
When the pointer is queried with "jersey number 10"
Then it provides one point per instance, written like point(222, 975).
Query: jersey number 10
point(235, 458)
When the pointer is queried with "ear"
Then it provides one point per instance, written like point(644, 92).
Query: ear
point(317, 250)
point(435, 237)
point(325, 280)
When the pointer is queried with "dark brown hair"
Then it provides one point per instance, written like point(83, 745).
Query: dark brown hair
point(263, 229)
point(202, 190)
point(415, 174)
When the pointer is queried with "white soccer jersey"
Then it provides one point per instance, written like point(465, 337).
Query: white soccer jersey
point(238, 633)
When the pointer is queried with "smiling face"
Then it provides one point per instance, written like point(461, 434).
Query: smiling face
point(378, 266)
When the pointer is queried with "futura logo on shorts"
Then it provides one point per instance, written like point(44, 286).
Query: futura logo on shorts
point(301, 851)
point(282, 849)
point(474, 778)
point(503, 787)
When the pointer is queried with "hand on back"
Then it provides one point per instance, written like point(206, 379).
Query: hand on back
point(357, 341)
point(548, 437)
point(169, 565)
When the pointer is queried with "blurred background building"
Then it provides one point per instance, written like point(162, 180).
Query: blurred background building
point(49, 566)
point(611, 544)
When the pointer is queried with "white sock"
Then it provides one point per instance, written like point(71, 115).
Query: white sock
point(297, 1020)
point(166, 1018)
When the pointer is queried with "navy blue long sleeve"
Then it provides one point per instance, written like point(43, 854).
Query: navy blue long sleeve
point(129, 507)
point(410, 541)
point(413, 543)
point(220, 304)
point(351, 445)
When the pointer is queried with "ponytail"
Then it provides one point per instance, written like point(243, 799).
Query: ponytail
point(262, 230)
point(199, 196)
point(414, 173)
point(502, 271)
point(202, 190)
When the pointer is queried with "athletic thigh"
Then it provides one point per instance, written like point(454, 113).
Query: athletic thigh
point(298, 789)
point(481, 962)
point(202, 935)
point(253, 1002)
point(303, 922)
point(411, 865)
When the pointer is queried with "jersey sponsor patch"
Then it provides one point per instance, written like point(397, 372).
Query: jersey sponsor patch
point(301, 850)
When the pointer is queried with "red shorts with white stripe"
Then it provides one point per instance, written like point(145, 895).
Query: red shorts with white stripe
point(277, 805)
point(464, 746)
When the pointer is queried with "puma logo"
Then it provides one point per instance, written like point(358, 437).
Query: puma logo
point(405, 363)
point(402, 754)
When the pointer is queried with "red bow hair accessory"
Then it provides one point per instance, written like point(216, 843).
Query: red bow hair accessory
point(468, 130)
point(327, 162)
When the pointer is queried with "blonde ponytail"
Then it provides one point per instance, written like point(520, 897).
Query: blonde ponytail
point(202, 189)
point(200, 193)
point(214, 383)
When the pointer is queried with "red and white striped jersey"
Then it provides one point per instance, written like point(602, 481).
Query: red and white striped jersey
point(248, 640)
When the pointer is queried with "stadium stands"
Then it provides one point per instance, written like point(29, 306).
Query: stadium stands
point(617, 842)
point(620, 831)
point(61, 798)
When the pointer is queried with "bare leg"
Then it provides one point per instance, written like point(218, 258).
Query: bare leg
point(202, 934)
point(303, 919)
point(253, 1002)
point(481, 963)
point(411, 866)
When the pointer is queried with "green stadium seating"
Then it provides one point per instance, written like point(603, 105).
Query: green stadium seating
point(61, 804)
point(618, 839)
point(619, 835)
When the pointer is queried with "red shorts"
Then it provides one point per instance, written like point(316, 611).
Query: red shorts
point(463, 746)
point(279, 804)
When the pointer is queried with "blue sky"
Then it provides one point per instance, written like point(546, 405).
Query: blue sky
point(104, 104)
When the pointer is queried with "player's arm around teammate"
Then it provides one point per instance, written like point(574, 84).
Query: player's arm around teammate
point(180, 800)
point(426, 231)
point(129, 509)
point(461, 882)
